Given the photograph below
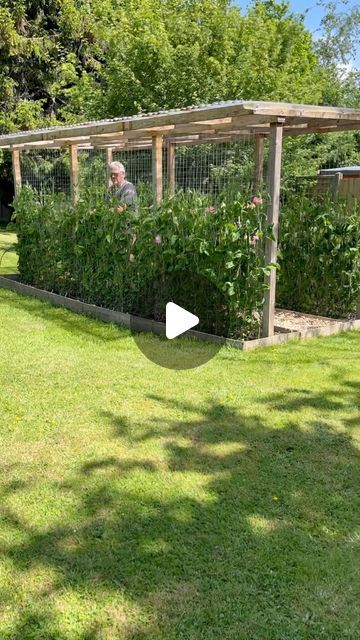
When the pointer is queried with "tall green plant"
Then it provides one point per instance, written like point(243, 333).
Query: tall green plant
point(319, 256)
point(92, 252)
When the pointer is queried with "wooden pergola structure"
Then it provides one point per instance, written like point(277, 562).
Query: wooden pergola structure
point(219, 122)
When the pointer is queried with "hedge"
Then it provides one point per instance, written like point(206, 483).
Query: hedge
point(319, 256)
point(136, 263)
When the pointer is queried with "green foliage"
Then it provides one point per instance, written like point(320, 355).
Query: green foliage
point(174, 53)
point(340, 32)
point(67, 60)
point(336, 49)
point(306, 155)
point(93, 253)
point(48, 52)
point(319, 257)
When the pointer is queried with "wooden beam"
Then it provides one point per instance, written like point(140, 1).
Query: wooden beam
point(308, 129)
point(170, 167)
point(125, 145)
point(304, 111)
point(157, 169)
point(246, 121)
point(259, 161)
point(105, 137)
point(274, 174)
point(74, 173)
point(200, 139)
point(336, 184)
point(218, 113)
point(109, 159)
point(16, 170)
point(214, 122)
point(32, 145)
point(67, 141)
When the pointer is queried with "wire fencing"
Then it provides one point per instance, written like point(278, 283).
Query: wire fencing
point(207, 168)
point(216, 168)
point(46, 171)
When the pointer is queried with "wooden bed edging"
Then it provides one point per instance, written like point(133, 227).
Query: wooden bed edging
point(12, 283)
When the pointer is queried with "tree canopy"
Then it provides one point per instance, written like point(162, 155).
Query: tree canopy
point(67, 60)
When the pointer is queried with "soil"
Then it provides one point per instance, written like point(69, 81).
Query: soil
point(296, 321)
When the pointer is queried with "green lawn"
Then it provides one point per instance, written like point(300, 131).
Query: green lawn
point(8, 257)
point(220, 503)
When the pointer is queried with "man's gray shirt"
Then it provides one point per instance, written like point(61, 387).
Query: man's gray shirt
point(126, 195)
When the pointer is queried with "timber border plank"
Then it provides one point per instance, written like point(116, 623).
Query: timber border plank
point(12, 283)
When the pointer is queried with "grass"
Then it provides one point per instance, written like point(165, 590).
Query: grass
point(140, 503)
point(8, 257)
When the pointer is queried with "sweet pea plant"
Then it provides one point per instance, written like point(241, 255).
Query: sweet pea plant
point(319, 257)
point(93, 253)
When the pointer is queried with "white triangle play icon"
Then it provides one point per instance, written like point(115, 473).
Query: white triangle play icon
point(178, 320)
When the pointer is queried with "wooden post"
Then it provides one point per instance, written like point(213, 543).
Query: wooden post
point(16, 170)
point(274, 173)
point(109, 159)
point(336, 185)
point(171, 167)
point(259, 161)
point(74, 173)
point(157, 177)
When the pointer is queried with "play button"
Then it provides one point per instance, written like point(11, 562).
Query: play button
point(182, 305)
point(178, 320)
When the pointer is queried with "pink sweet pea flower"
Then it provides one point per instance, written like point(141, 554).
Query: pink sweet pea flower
point(256, 200)
point(254, 240)
point(157, 239)
point(211, 210)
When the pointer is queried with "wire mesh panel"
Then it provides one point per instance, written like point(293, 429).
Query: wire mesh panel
point(304, 156)
point(92, 172)
point(47, 171)
point(213, 169)
point(137, 163)
point(217, 167)
point(138, 167)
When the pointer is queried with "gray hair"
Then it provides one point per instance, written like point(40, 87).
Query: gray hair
point(117, 167)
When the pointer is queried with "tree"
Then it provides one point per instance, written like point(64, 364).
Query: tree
point(47, 47)
point(67, 60)
point(179, 52)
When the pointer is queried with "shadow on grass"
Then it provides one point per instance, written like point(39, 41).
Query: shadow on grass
point(345, 397)
point(75, 324)
point(242, 531)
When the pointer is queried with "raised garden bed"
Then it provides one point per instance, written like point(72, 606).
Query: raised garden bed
point(290, 325)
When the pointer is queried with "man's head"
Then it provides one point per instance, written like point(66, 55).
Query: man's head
point(117, 173)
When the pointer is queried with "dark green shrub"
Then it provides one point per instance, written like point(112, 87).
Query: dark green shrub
point(106, 258)
point(319, 256)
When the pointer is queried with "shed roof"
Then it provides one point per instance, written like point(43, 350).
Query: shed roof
point(346, 171)
point(191, 125)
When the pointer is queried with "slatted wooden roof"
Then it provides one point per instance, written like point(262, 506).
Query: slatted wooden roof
point(191, 125)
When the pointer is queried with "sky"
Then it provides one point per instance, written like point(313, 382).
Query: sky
point(313, 16)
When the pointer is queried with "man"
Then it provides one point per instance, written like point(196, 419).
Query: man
point(122, 189)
